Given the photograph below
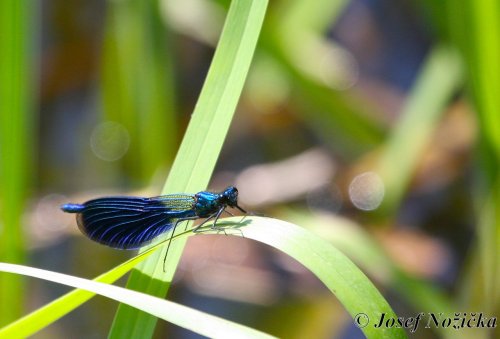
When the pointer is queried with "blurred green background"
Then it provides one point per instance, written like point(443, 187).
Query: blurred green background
point(380, 116)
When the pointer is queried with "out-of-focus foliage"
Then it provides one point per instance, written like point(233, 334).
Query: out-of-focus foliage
point(17, 100)
point(382, 113)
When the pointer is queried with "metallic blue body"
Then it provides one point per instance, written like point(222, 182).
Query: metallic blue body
point(132, 222)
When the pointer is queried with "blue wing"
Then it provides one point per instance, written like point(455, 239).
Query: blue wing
point(132, 222)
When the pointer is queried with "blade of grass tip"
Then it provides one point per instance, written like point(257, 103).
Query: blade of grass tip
point(199, 322)
point(199, 150)
point(17, 32)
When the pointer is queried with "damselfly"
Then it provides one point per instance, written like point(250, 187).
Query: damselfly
point(133, 222)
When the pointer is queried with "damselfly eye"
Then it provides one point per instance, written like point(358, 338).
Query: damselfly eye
point(231, 195)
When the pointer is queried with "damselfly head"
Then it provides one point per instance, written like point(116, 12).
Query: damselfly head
point(230, 196)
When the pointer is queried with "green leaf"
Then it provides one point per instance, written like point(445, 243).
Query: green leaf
point(199, 150)
point(476, 28)
point(349, 284)
point(17, 98)
point(353, 289)
point(46, 315)
point(183, 316)
point(357, 243)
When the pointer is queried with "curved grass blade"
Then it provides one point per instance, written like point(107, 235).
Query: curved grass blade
point(367, 253)
point(353, 289)
point(180, 315)
point(46, 315)
point(342, 277)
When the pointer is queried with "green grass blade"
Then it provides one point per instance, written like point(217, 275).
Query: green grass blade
point(485, 19)
point(366, 252)
point(475, 27)
point(353, 289)
point(484, 67)
point(199, 150)
point(183, 316)
point(343, 278)
point(44, 316)
point(17, 53)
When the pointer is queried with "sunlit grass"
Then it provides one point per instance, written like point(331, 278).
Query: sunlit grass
point(200, 148)
point(137, 92)
point(17, 97)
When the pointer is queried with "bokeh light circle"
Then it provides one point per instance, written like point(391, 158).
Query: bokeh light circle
point(366, 191)
point(109, 141)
